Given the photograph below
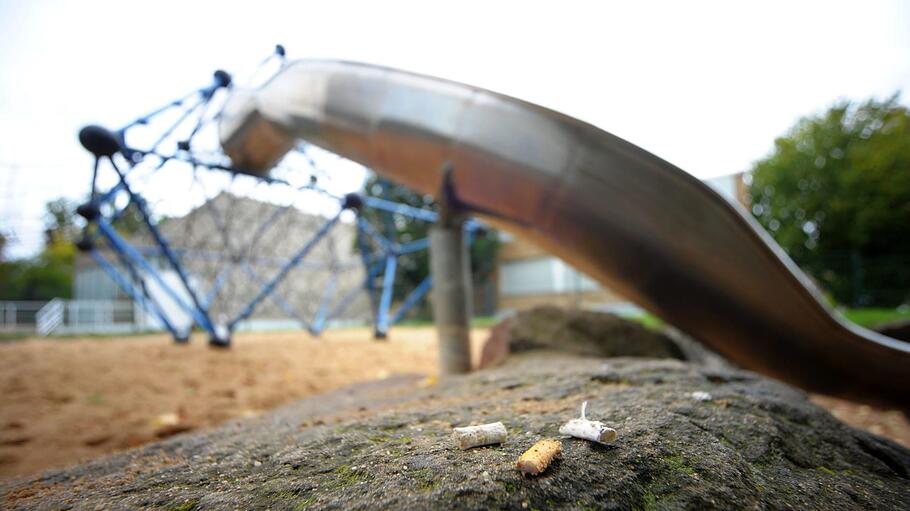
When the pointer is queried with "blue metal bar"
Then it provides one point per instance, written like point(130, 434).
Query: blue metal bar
point(133, 273)
point(120, 280)
point(418, 213)
point(270, 286)
point(220, 280)
point(109, 195)
point(402, 209)
point(119, 245)
point(388, 286)
point(414, 246)
point(280, 302)
point(411, 300)
point(208, 165)
point(368, 229)
point(118, 213)
point(472, 225)
point(201, 313)
point(373, 258)
point(342, 305)
point(327, 296)
point(220, 225)
point(186, 113)
point(145, 118)
point(264, 226)
point(202, 121)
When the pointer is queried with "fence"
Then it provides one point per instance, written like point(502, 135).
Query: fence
point(70, 317)
point(63, 317)
point(19, 317)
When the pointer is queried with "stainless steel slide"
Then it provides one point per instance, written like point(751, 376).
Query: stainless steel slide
point(632, 221)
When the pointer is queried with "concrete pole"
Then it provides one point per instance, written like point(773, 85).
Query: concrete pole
point(450, 266)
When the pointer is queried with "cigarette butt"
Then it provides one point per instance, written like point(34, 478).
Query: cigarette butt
point(536, 459)
point(594, 431)
point(475, 436)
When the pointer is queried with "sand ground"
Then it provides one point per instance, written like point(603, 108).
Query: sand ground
point(69, 400)
point(63, 401)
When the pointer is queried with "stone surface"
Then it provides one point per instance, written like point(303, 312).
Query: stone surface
point(387, 444)
point(587, 333)
point(590, 333)
point(496, 347)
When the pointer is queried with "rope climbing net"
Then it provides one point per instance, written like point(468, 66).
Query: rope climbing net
point(199, 243)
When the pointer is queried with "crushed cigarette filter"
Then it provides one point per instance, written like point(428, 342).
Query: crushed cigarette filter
point(485, 434)
point(536, 459)
point(595, 431)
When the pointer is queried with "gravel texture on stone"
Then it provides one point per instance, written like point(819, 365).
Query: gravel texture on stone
point(589, 333)
point(756, 444)
point(586, 332)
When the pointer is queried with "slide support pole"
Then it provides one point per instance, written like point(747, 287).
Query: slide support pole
point(450, 267)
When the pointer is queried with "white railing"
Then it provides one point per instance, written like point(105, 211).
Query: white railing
point(50, 317)
point(18, 316)
point(64, 317)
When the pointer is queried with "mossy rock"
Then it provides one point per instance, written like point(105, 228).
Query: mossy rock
point(755, 444)
point(579, 332)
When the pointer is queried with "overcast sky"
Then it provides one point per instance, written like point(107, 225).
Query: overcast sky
point(705, 85)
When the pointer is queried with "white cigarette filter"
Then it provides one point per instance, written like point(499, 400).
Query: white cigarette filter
point(594, 431)
point(485, 434)
point(699, 395)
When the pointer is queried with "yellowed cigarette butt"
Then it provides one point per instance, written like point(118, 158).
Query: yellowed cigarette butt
point(536, 459)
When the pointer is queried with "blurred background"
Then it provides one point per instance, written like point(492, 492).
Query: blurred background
point(795, 112)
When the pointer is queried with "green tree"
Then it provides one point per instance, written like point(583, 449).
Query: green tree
point(835, 194)
point(130, 221)
point(4, 240)
point(415, 267)
point(59, 221)
point(46, 276)
point(49, 274)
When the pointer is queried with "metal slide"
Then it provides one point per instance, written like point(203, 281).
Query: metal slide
point(632, 221)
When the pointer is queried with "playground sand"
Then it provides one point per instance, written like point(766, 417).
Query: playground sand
point(69, 400)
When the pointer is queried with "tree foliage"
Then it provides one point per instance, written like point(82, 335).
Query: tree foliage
point(4, 241)
point(59, 221)
point(415, 267)
point(46, 276)
point(130, 222)
point(49, 274)
point(835, 194)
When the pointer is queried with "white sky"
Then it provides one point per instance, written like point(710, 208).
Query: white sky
point(705, 85)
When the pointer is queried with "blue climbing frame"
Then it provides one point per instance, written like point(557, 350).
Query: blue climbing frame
point(135, 272)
